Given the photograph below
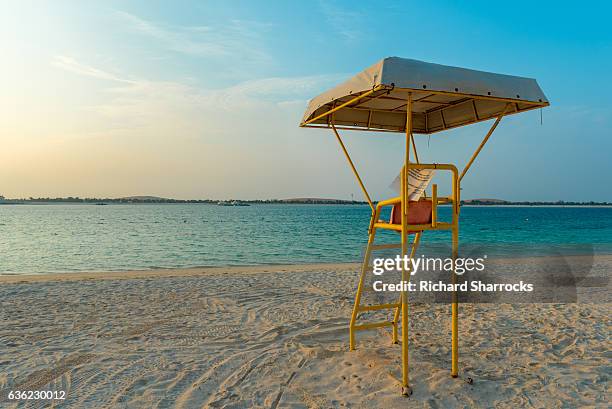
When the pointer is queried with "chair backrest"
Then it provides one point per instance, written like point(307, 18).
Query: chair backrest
point(418, 212)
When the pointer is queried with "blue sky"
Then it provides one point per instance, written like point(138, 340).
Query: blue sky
point(202, 99)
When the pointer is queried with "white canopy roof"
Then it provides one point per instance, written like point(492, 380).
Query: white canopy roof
point(443, 97)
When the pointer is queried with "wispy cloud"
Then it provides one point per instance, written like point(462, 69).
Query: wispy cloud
point(343, 21)
point(233, 39)
point(280, 89)
point(72, 65)
point(168, 106)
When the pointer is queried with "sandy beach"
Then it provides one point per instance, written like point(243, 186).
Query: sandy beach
point(277, 336)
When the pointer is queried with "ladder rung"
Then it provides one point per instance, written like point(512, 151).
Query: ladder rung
point(414, 227)
point(378, 307)
point(372, 325)
point(388, 226)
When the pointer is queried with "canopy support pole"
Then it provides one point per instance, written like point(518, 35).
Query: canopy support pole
point(454, 296)
point(350, 161)
point(416, 155)
point(406, 390)
point(484, 141)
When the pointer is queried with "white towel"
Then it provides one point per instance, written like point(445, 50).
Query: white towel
point(418, 180)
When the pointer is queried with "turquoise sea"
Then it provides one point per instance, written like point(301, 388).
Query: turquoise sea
point(62, 238)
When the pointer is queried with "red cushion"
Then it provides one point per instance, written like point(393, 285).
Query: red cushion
point(418, 212)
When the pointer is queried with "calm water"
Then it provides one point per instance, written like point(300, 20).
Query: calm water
point(46, 238)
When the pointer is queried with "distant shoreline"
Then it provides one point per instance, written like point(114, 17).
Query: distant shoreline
point(467, 203)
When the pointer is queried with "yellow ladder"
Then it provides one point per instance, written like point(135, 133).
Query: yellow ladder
point(358, 308)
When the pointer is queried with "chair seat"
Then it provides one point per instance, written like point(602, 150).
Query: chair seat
point(419, 212)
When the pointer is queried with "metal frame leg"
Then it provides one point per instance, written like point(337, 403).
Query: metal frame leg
point(396, 315)
point(455, 311)
point(364, 269)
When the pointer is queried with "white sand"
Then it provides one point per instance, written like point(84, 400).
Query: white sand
point(278, 337)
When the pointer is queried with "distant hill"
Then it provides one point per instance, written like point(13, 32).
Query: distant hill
point(315, 200)
point(145, 198)
point(297, 200)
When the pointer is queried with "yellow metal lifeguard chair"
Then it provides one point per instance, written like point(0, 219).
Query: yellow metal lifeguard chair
point(409, 96)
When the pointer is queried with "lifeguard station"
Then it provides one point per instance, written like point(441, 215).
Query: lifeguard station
point(415, 97)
